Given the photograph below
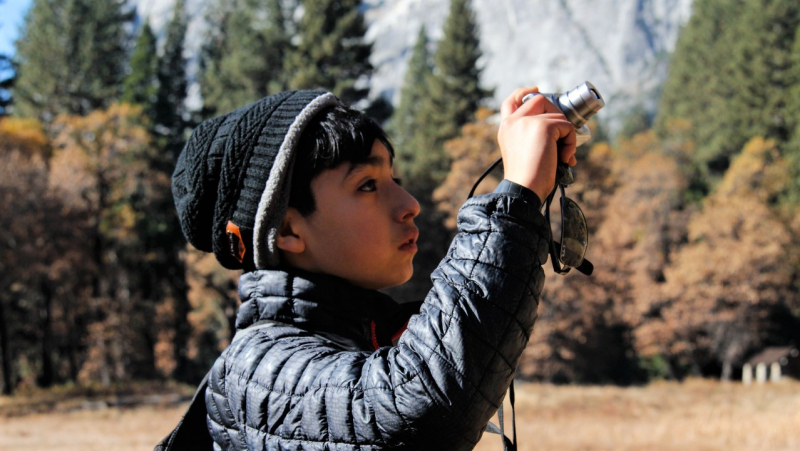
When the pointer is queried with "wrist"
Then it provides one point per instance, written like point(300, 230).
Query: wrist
point(510, 187)
point(536, 187)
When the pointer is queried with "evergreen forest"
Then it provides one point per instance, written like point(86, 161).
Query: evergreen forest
point(693, 212)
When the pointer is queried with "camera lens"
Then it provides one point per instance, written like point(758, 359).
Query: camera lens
point(581, 103)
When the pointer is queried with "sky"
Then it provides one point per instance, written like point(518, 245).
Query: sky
point(12, 14)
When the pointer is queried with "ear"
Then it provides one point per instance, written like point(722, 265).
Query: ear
point(290, 237)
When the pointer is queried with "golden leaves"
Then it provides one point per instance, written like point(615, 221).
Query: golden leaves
point(101, 158)
point(758, 172)
point(472, 152)
point(24, 135)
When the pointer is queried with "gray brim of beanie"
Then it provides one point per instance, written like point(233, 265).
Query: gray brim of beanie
point(275, 198)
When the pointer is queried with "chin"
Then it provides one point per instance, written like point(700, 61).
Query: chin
point(389, 283)
point(401, 280)
point(384, 279)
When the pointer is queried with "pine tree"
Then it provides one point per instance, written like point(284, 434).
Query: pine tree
point(406, 122)
point(243, 61)
point(698, 86)
point(172, 84)
point(637, 121)
point(761, 75)
point(448, 99)
point(165, 271)
point(141, 85)
point(729, 77)
point(700, 55)
point(762, 67)
point(453, 91)
point(456, 59)
point(212, 83)
point(71, 56)
point(332, 53)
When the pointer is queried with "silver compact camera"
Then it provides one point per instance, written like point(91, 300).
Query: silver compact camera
point(578, 105)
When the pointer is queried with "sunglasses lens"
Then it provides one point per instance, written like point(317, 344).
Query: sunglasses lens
point(574, 234)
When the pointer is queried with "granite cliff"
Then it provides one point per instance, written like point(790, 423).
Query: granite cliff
point(622, 46)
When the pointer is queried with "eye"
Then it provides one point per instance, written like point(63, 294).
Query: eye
point(368, 186)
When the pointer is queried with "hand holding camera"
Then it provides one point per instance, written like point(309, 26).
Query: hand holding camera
point(533, 137)
point(539, 130)
point(538, 136)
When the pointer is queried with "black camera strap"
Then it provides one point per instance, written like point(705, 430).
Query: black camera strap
point(483, 176)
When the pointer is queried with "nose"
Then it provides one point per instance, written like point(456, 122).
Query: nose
point(408, 206)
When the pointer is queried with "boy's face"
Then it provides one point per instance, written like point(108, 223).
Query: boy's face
point(363, 227)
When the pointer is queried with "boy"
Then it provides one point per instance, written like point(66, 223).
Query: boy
point(298, 191)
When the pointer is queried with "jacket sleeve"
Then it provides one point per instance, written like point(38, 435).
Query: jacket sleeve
point(449, 372)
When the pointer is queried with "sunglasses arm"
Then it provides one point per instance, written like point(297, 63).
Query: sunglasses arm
point(586, 267)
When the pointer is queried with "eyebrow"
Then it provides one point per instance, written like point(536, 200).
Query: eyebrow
point(374, 161)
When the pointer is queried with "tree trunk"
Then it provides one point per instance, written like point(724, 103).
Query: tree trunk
point(5, 353)
point(46, 377)
point(183, 331)
point(72, 339)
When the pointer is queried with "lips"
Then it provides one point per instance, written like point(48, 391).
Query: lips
point(410, 243)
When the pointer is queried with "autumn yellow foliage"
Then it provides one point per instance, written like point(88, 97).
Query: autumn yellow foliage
point(26, 135)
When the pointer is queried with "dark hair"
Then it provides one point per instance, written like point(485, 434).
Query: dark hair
point(334, 136)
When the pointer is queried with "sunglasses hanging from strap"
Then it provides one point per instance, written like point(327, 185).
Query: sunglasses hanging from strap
point(571, 250)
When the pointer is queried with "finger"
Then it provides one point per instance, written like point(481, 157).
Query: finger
point(568, 145)
point(571, 160)
point(536, 105)
point(512, 102)
point(520, 94)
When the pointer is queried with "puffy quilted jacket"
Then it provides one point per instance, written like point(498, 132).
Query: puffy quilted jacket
point(326, 377)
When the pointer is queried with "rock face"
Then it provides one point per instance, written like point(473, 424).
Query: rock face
point(621, 46)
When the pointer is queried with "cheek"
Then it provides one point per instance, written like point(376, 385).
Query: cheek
point(364, 233)
point(352, 233)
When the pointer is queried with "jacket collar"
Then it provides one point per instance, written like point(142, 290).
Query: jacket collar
point(322, 303)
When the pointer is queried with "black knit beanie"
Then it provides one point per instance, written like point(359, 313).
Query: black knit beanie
point(231, 183)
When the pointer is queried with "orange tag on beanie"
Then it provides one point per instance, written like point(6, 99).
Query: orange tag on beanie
point(236, 242)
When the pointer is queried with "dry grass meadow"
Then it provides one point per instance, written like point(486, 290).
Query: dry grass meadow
point(695, 415)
